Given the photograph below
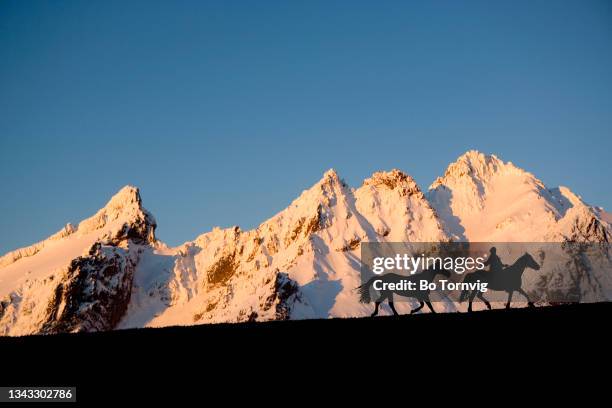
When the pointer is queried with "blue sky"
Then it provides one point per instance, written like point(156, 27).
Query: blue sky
point(223, 112)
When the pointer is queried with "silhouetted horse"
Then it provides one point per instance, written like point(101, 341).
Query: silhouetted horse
point(508, 279)
point(421, 295)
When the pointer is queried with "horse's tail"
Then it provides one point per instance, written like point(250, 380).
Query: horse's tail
point(364, 291)
point(464, 293)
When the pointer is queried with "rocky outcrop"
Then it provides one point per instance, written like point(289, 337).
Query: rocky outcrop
point(394, 180)
point(93, 293)
point(284, 296)
point(589, 228)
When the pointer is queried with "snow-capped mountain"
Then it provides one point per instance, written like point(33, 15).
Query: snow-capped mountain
point(111, 272)
point(482, 198)
point(301, 263)
point(80, 278)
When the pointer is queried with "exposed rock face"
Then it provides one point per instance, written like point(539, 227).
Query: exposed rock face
point(394, 179)
point(283, 297)
point(588, 228)
point(93, 293)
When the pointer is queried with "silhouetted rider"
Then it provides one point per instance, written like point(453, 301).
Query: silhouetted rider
point(495, 264)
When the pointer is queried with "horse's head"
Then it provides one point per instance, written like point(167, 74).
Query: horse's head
point(530, 262)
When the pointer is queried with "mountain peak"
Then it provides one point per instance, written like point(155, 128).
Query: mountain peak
point(476, 166)
point(478, 163)
point(331, 176)
point(477, 155)
point(331, 179)
point(125, 208)
point(123, 215)
point(128, 195)
point(393, 179)
point(331, 173)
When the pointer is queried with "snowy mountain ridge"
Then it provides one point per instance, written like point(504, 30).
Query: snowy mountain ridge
point(123, 207)
point(111, 272)
point(482, 198)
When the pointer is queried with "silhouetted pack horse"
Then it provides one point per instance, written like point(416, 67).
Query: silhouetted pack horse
point(421, 295)
point(508, 279)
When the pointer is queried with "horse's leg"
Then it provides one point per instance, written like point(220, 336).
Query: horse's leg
point(393, 307)
point(421, 304)
point(509, 299)
point(381, 299)
point(472, 296)
point(390, 300)
point(428, 303)
point(522, 292)
point(377, 303)
point(481, 297)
